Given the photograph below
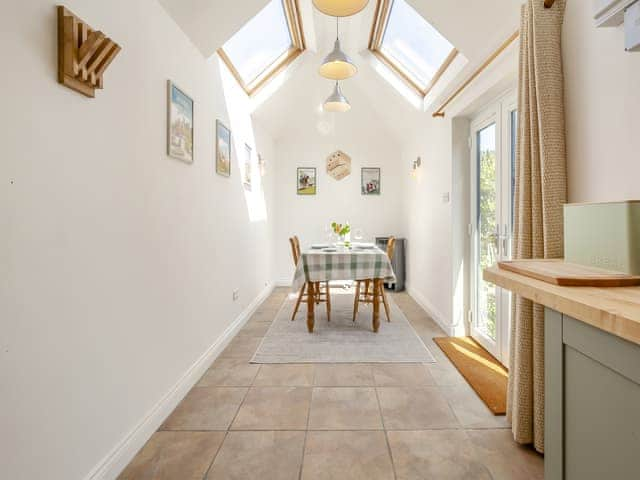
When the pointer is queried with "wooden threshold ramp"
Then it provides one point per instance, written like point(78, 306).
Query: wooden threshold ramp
point(480, 369)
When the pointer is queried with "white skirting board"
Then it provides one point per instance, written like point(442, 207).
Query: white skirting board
point(113, 463)
point(431, 310)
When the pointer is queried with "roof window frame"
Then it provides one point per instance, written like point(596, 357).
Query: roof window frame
point(298, 46)
point(376, 38)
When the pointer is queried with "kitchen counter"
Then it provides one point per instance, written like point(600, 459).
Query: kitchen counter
point(614, 310)
point(592, 377)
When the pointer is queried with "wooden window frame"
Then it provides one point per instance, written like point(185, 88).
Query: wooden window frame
point(380, 21)
point(294, 23)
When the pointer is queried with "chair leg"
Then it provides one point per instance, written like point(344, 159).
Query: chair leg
point(317, 289)
point(356, 300)
point(300, 295)
point(384, 301)
point(328, 301)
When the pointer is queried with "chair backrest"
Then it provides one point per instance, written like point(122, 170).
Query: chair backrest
point(294, 251)
point(297, 242)
point(391, 246)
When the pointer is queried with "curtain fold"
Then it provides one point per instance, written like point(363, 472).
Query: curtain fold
point(540, 192)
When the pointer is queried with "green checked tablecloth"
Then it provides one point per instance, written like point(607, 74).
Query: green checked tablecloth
point(355, 264)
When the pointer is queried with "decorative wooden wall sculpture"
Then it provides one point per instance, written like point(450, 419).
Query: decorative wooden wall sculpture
point(339, 165)
point(83, 54)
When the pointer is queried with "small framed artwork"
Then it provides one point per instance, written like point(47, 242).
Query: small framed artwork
point(306, 181)
point(179, 124)
point(370, 181)
point(247, 171)
point(223, 149)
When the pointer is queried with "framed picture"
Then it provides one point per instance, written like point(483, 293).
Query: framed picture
point(179, 124)
point(247, 171)
point(306, 181)
point(370, 181)
point(223, 149)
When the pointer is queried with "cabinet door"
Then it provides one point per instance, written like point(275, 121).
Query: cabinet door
point(601, 389)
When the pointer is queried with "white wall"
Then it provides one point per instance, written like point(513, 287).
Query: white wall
point(118, 263)
point(369, 145)
point(602, 100)
point(429, 220)
point(437, 229)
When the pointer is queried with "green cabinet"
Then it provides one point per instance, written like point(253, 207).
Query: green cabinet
point(592, 402)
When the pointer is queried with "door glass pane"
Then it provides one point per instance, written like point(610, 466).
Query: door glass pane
point(487, 229)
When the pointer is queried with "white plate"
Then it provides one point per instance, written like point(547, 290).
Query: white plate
point(365, 245)
point(330, 249)
point(318, 246)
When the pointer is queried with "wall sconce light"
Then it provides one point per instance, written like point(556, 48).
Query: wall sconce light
point(262, 165)
point(417, 163)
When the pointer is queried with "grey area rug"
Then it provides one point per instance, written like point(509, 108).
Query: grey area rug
point(341, 340)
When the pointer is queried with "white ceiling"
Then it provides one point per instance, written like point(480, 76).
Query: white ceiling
point(475, 27)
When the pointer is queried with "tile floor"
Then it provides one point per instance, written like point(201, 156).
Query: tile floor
point(339, 422)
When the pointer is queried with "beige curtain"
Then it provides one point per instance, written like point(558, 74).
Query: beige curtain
point(540, 192)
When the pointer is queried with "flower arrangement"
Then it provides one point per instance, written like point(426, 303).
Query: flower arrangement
point(340, 229)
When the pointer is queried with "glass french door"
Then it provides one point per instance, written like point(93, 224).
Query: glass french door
point(493, 139)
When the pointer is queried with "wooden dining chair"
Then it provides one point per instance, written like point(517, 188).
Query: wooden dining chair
point(368, 294)
point(323, 295)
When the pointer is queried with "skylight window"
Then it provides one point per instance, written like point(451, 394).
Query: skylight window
point(265, 45)
point(409, 45)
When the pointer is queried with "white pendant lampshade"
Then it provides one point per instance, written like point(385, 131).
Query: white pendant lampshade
point(337, 65)
point(340, 8)
point(337, 101)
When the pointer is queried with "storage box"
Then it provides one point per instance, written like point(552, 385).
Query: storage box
point(605, 235)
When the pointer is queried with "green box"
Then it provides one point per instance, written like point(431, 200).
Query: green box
point(604, 235)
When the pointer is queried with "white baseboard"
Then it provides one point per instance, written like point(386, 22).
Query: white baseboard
point(428, 307)
point(112, 464)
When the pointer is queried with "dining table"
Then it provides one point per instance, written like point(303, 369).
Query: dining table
point(358, 261)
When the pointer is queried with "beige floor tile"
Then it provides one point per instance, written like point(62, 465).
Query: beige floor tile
point(272, 303)
point(470, 409)
point(344, 375)
point(229, 372)
point(445, 374)
point(241, 347)
point(274, 408)
point(399, 374)
point(174, 455)
point(206, 408)
point(436, 454)
point(418, 408)
point(428, 332)
point(254, 329)
point(346, 456)
point(263, 316)
point(344, 408)
point(286, 375)
point(259, 455)
point(505, 459)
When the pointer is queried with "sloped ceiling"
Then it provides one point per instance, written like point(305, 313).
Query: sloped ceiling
point(475, 27)
point(210, 23)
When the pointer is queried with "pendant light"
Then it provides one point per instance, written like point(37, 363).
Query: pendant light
point(337, 101)
point(337, 65)
point(340, 8)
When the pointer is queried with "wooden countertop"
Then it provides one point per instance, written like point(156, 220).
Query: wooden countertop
point(614, 309)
